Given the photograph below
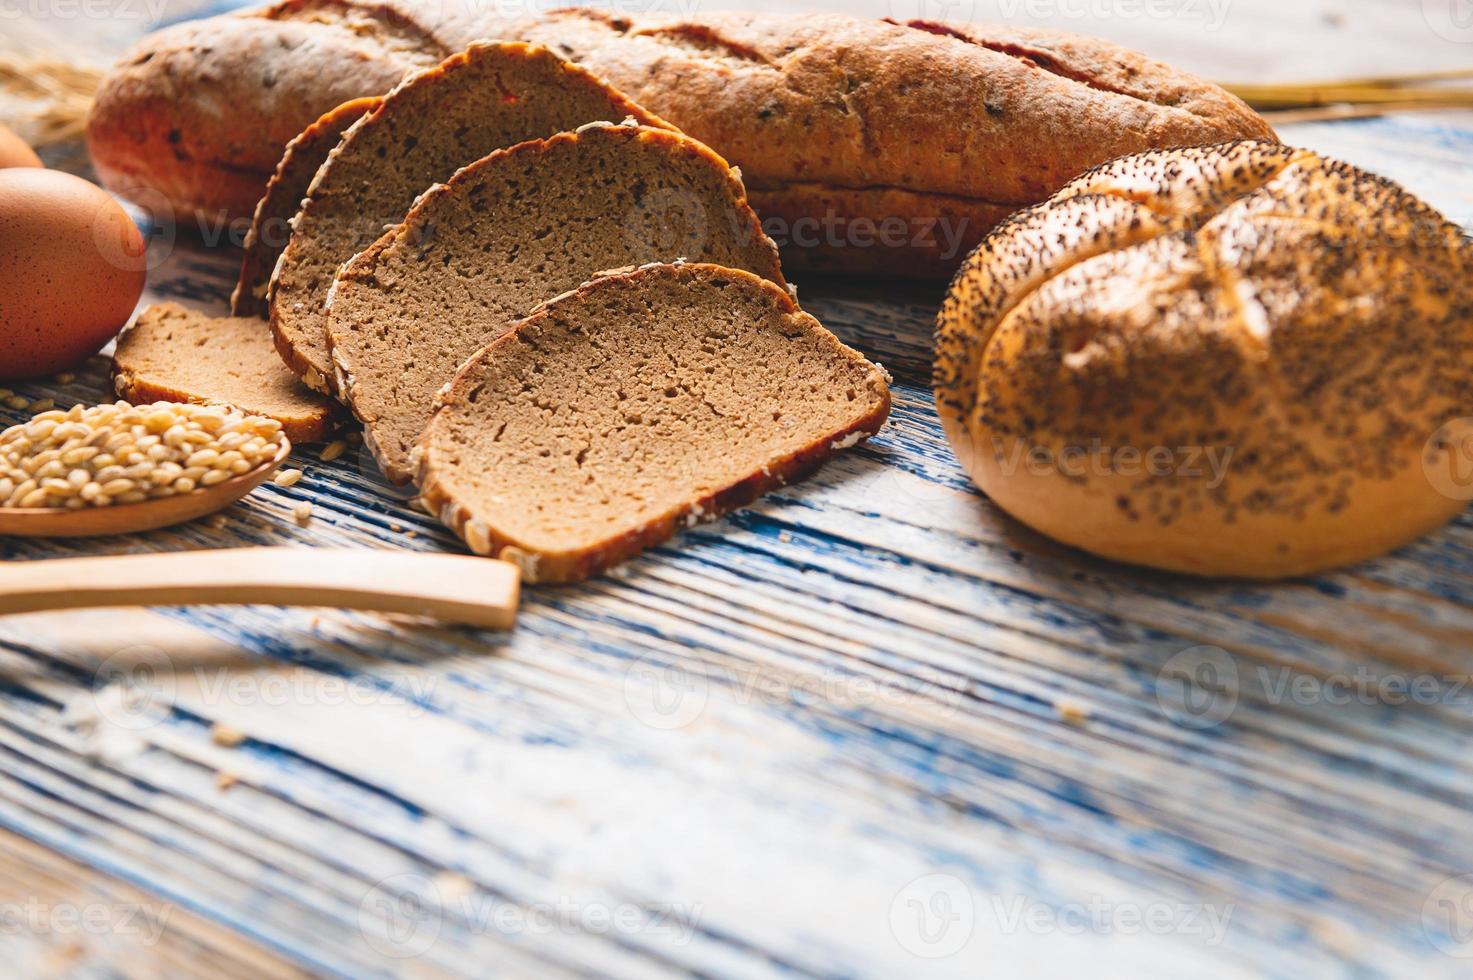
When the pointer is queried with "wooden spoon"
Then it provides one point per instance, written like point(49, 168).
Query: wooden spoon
point(87, 522)
point(455, 588)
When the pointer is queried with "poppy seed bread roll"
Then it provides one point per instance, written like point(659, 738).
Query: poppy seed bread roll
point(1238, 360)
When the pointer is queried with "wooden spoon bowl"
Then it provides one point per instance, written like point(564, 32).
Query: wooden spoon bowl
point(89, 522)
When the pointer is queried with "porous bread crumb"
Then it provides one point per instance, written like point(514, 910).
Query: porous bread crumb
point(508, 232)
point(641, 402)
point(176, 354)
point(371, 180)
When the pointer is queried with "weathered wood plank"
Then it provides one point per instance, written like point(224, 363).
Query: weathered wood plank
point(784, 742)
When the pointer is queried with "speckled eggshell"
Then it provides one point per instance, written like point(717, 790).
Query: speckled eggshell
point(15, 152)
point(72, 266)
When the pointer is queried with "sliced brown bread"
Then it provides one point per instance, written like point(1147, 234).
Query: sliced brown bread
point(505, 234)
point(488, 97)
point(271, 225)
point(180, 355)
point(637, 404)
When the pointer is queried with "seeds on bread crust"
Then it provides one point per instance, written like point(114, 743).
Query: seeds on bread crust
point(1226, 360)
point(505, 234)
point(635, 405)
point(486, 98)
point(178, 355)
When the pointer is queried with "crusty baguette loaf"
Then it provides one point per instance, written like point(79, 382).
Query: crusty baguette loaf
point(476, 254)
point(634, 406)
point(867, 145)
point(271, 226)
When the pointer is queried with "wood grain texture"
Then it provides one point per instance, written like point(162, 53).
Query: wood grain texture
point(457, 590)
point(868, 727)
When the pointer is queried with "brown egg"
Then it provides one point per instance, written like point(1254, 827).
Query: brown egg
point(14, 152)
point(72, 266)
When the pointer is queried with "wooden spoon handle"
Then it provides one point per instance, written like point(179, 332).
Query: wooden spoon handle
point(458, 589)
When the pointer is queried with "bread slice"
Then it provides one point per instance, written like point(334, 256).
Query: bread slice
point(271, 225)
point(507, 233)
point(180, 355)
point(637, 404)
point(488, 97)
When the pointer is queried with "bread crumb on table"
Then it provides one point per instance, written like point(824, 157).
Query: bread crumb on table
point(226, 736)
point(225, 780)
point(1071, 712)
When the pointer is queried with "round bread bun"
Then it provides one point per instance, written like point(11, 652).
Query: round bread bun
point(1242, 360)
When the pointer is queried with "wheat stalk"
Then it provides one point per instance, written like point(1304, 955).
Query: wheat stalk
point(1352, 98)
point(47, 101)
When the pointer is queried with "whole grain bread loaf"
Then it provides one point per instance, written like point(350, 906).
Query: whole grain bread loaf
point(868, 145)
point(271, 224)
point(179, 355)
point(486, 98)
point(477, 254)
point(640, 403)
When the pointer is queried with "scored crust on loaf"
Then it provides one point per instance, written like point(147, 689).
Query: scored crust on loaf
point(637, 404)
point(844, 125)
point(271, 224)
point(850, 120)
point(476, 254)
point(486, 98)
point(1308, 322)
point(179, 355)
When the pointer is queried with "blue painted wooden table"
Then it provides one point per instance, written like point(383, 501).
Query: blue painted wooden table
point(867, 727)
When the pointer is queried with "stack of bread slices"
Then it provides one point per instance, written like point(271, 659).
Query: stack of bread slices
point(549, 308)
